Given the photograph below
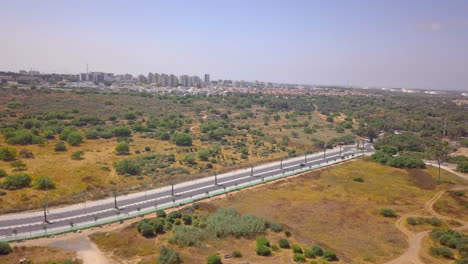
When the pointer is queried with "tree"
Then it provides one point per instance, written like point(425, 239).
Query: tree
point(204, 154)
point(122, 148)
point(461, 167)
point(60, 146)
point(74, 138)
point(16, 181)
point(437, 152)
point(3, 173)
point(182, 139)
point(127, 166)
point(168, 256)
point(43, 183)
point(7, 153)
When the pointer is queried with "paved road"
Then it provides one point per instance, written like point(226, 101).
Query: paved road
point(60, 218)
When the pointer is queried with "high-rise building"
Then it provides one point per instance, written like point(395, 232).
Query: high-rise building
point(164, 80)
point(207, 78)
point(185, 81)
point(156, 78)
point(196, 80)
point(150, 77)
point(173, 81)
point(142, 78)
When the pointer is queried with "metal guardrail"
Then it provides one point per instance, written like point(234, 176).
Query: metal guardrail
point(175, 203)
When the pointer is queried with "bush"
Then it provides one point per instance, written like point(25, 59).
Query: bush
point(43, 183)
point(262, 241)
point(168, 256)
point(404, 161)
point(330, 255)
point(5, 248)
point(121, 132)
point(92, 134)
point(77, 155)
point(161, 214)
point(387, 212)
point(74, 138)
point(16, 181)
point(308, 253)
point(60, 146)
point(7, 153)
point(275, 227)
point(214, 259)
point(18, 165)
point(283, 243)
point(174, 215)
point(263, 250)
point(182, 139)
point(443, 252)
point(122, 148)
point(3, 173)
point(127, 166)
point(146, 229)
point(358, 179)
point(26, 154)
point(298, 257)
point(317, 250)
point(187, 219)
point(236, 254)
point(296, 249)
point(463, 167)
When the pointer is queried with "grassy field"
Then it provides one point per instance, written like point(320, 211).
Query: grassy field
point(40, 255)
point(324, 207)
point(94, 176)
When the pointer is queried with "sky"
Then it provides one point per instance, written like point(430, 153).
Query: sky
point(399, 43)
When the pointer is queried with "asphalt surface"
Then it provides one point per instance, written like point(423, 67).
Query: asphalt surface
point(27, 223)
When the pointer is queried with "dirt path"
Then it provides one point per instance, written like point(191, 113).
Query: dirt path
point(414, 253)
point(85, 249)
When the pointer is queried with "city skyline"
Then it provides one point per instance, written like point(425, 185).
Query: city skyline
point(358, 43)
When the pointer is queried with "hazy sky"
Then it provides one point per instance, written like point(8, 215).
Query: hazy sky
point(407, 43)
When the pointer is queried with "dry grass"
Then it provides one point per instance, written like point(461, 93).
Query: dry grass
point(325, 208)
point(40, 255)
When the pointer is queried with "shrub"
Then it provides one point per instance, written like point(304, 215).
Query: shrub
point(60, 146)
point(263, 250)
point(92, 134)
point(43, 183)
point(463, 167)
point(443, 251)
point(5, 248)
point(298, 257)
point(3, 173)
point(187, 219)
point(287, 233)
point(296, 249)
point(18, 165)
point(174, 215)
point(262, 241)
point(387, 212)
point(358, 179)
point(161, 214)
point(168, 256)
point(316, 250)
point(7, 153)
point(26, 154)
point(16, 181)
point(405, 161)
point(146, 229)
point(121, 132)
point(74, 138)
point(330, 255)
point(283, 243)
point(275, 227)
point(122, 148)
point(182, 139)
point(236, 254)
point(308, 253)
point(77, 155)
point(214, 259)
point(127, 166)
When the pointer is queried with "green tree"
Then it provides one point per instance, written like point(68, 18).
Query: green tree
point(182, 139)
point(7, 153)
point(122, 148)
point(5, 248)
point(204, 154)
point(437, 152)
point(127, 166)
point(43, 183)
point(16, 181)
point(463, 166)
point(74, 138)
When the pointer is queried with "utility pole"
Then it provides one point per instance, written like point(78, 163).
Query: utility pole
point(45, 216)
point(305, 158)
point(172, 188)
point(85, 207)
point(339, 144)
point(251, 170)
point(281, 164)
point(46, 204)
point(324, 150)
point(115, 199)
point(216, 178)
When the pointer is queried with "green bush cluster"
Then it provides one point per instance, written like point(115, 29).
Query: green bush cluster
point(283, 243)
point(43, 183)
point(5, 248)
point(451, 239)
point(442, 251)
point(7, 153)
point(149, 227)
point(263, 246)
point(401, 161)
point(16, 181)
point(387, 212)
point(423, 220)
point(168, 256)
point(214, 259)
